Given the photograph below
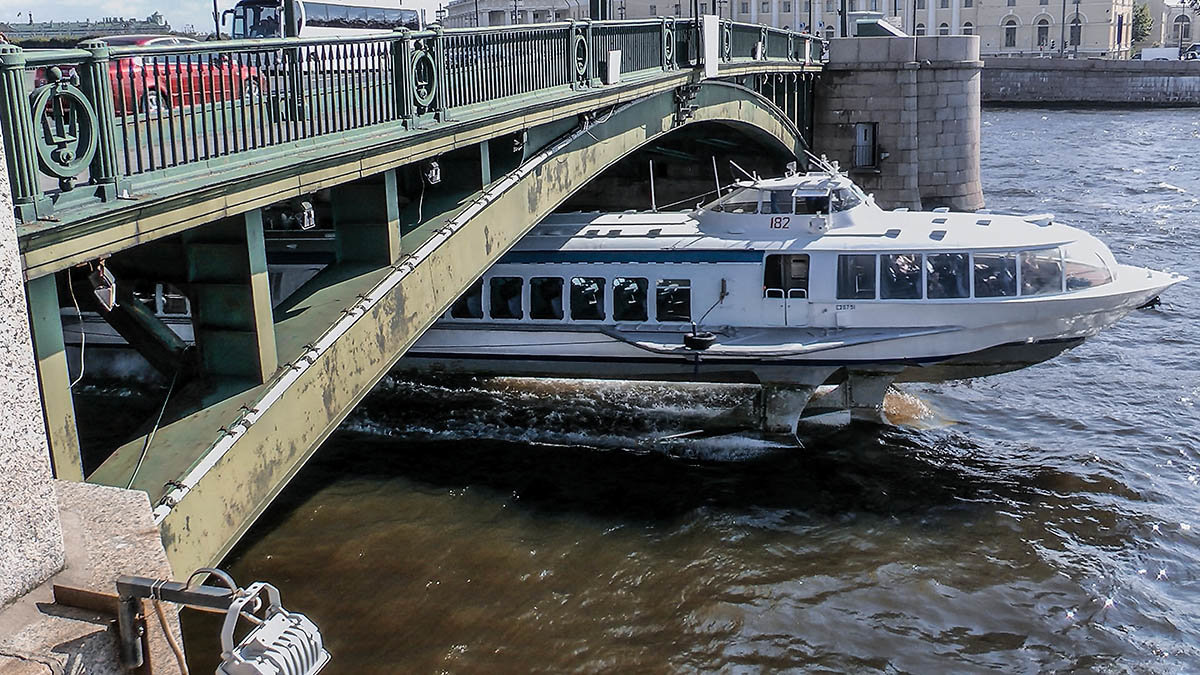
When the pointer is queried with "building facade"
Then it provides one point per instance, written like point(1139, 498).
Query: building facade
point(1174, 25)
point(77, 30)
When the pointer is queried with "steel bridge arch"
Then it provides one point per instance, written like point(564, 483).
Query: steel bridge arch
point(255, 456)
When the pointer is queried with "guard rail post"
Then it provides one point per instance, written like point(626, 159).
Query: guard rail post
point(97, 86)
point(16, 128)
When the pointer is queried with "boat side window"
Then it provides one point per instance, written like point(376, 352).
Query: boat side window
point(856, 277)
point(786, 276)
point(947, 275)
point(741, 200)
point(995, 275)
point(777, 201)
point(1041, 272)
point(587, 298)
point(900, 276)
point(1084, 267)
point(674, 300)
point(812, 205)
point(469, 305)
point(505, 302)
point(546, 298)
point(844, 199)
point(629, 299)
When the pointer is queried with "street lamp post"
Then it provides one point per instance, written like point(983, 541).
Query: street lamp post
point(1062, 35)
point(1075, 23)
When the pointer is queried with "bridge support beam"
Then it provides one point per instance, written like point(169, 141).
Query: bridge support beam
point(58, 406)
point(231, 298)
point(366, 219)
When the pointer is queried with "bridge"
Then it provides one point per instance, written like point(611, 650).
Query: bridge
point(432, 152)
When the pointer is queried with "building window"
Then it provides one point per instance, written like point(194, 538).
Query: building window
point(629, 299)
point(1076, 30)
point(856, 277)
point(968, 3)
point(677, 12)
point(1012, 3)
point(704, 8)
point(587, 298)
point(807, 6)
point(865, 150)
point(744, 8)
point(505, 302)
point(944, 29)
point(920, 4)
point(829, 6)
point(874, 5)
point(968, 29)
point(1181, 29)
point(1043, 32)
point(896, 9)
point(944, 4)
point(920, 29)
point(787, 7)
point(1010, 33)
point(545, 298)
point(828, 32)
point(653, 10)
point(766, 7)
point(853, 5)
point(469, 305)
point(674, 300)
point(1043, 2)
point(1121, 29)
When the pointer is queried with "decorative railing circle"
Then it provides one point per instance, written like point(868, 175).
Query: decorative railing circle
point(66, 141)
point(726, 42)
point(668, 47)
point(424, 78)
point(580, 51)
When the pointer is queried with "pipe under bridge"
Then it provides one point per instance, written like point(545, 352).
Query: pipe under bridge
point(164, 162)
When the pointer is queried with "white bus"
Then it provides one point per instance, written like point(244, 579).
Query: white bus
point(265, 18)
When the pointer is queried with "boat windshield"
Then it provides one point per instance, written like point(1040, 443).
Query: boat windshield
point(741, 200)
point(1085, 266)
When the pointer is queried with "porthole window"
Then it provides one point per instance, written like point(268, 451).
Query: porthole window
point(469, 305)
point(505, 300)
point(995, 275)
point(674, 300)
point(856, 277)
point(587, 298)
point(947, 275)
point(546, 298)
point(629, 299)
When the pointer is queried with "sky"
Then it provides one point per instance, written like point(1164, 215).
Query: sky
point(178, 13)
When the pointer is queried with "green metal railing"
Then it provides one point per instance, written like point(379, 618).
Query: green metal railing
point(102, 120)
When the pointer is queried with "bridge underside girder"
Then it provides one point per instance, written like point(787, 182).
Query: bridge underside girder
point(215, 468)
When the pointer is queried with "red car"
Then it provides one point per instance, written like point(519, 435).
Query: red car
point(157, 82)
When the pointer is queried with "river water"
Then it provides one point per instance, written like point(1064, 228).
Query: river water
point(1049, 522)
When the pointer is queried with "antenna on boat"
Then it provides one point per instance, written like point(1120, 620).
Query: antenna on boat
point(823, 163)
point(744, 172)
point(653, 201)
point(716, 176)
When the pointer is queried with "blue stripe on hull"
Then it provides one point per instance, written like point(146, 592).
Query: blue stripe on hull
point(666, 256)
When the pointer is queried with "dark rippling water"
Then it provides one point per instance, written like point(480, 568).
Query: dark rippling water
point(1053, 525)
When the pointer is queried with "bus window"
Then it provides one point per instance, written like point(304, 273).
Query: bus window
point(545, 298)
point(947, 275)
point(674, 300)
point(629, 299)
point(587, 298)
point(469, 305)
point(777, 201)
point(1041, 272)
point(900, 276)
point(856, 277)
point(506, 298)
point(995, 275)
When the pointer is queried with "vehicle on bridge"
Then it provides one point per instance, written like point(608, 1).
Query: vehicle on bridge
point(265, 18)
point(793, 283)
point(154, 82)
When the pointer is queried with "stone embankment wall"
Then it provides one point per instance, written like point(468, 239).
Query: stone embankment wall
point(1090, 82)
point(922, 93)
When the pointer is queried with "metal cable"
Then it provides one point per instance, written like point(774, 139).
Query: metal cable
point(154, 430)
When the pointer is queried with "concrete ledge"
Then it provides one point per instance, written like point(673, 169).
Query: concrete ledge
point(108, 532)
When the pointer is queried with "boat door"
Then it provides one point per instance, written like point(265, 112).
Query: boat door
point(785, 289)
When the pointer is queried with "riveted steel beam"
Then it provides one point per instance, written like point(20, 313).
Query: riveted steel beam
point(252, 457)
